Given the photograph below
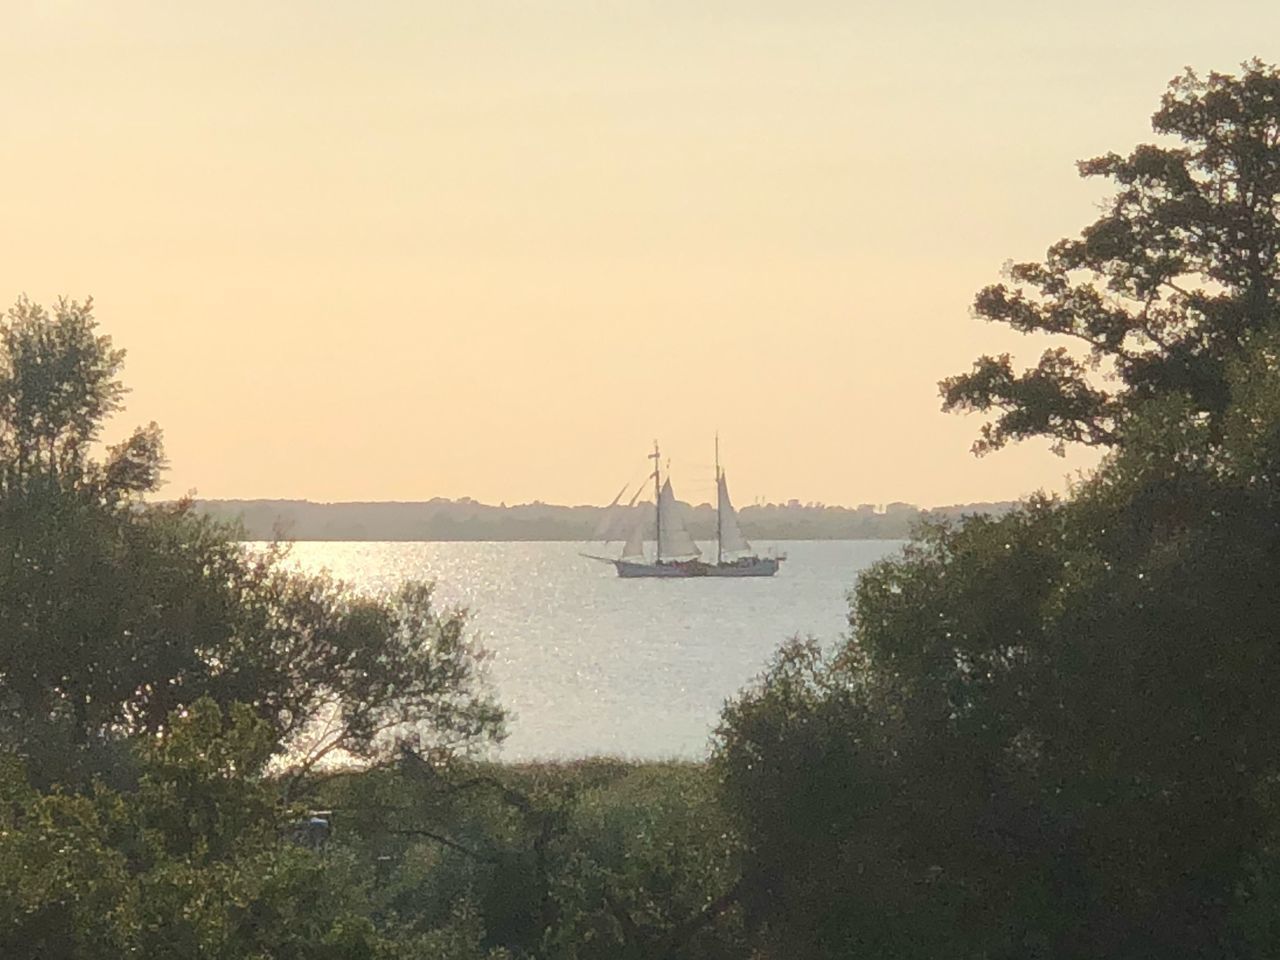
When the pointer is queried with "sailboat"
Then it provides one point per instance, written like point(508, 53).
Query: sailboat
point(675, 553)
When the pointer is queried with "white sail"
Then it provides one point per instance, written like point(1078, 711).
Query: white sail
point(675, 542)
point(634, 549)
point(731, 539)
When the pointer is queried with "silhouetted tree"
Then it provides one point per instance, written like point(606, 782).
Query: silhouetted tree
point(114, 614)
point(1056, 734)
point(1162, 289)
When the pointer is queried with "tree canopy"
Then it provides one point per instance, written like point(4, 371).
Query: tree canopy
point(1055, 733)
point(166, 692)
point(1162, 290)
point(115, 613)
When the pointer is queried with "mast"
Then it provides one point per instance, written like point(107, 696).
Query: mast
point(657, 504)
point(719, 507)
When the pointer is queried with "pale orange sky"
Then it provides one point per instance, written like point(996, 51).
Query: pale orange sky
point(409, 249)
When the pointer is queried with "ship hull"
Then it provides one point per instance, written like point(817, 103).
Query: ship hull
point(747, 567)
point(751, 567)
point(693, 568)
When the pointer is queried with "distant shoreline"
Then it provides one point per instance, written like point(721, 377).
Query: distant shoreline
point(289, 539)
point(466, 521)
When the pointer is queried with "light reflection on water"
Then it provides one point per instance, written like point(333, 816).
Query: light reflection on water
point(587, 663)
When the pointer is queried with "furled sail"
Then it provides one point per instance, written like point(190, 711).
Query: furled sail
point(609, 518)
point(634, 548)
point(614, 517)
point(676, 544)
point(731, 539)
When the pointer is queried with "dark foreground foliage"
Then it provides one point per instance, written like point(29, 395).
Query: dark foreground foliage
point(591, 859)
point(114, 613)
point(193, 862)
point(1057, 734)
point(1159, 292)
point(153, 673)
point(1052, 735)
point(600, 859)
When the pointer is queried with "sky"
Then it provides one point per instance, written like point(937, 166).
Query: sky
point(406, 249)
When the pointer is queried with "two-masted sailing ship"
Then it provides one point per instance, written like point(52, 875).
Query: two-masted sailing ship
point(675, 553)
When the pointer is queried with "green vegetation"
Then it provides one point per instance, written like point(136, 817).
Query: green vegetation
point(117, 614)
point(1054, 733)
point(594, 859)
point(1164, 290)
point(152, 672)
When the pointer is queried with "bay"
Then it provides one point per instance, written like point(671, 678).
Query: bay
point(590, 664)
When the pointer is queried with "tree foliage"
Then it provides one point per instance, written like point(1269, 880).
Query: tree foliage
point(1161, 291)
point(564, 861)
point(58, 385)
point(115, 613)
point(163, 691)
point(1055, 734)
point(196, 862)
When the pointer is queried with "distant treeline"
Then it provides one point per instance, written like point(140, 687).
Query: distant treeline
point(466, 519)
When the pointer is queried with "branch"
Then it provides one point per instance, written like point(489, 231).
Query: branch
point(1145, 323)
point(1176, 288)
point(631, 930)
point(446, 842)
point(341, 735)
point(683, 932)
point(666, 947)
point(514, 797)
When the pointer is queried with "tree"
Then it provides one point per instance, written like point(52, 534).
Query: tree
point(595, 858)
point(1162, 290)
point(1055, 734)
point(163, 692)
point(1052, 734)
point(115, 613)
point(196, 862)
point(58, 385)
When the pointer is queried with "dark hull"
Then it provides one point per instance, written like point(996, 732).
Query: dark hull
point(747, 567)
point(693, 568)
point(750, 567)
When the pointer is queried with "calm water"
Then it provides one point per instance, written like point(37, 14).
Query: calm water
point(588, 663)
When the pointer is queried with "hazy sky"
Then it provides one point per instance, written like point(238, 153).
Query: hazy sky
point(397, 250)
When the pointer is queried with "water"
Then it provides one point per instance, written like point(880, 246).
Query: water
point(587, 663)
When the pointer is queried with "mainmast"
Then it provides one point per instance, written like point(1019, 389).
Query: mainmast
point(657, 504)
point(719, 507)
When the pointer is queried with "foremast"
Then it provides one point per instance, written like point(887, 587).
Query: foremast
point(657, 504)
point(731, 546)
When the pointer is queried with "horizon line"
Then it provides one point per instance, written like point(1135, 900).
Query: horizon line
point(792, 503)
